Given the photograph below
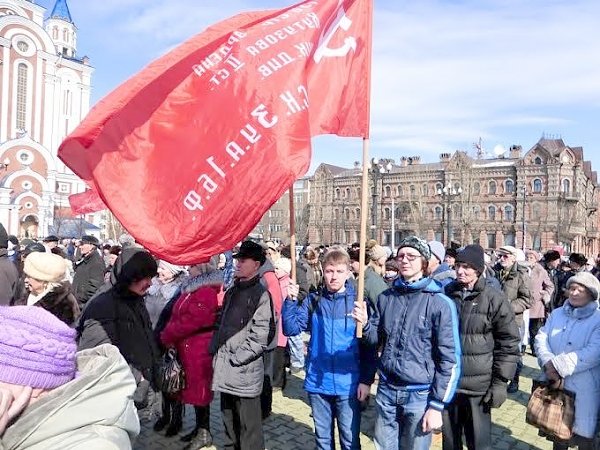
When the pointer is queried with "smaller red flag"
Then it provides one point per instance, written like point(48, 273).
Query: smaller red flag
point(86, 202)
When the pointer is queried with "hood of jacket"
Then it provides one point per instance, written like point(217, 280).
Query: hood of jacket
point(97, 404)
point(425, 284)
point(266, 267)
point(192, 284)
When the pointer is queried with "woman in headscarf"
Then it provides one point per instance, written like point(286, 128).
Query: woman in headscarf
point(189, 330)
point(568, 348)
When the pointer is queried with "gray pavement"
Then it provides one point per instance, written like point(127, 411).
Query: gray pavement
point(290, 426)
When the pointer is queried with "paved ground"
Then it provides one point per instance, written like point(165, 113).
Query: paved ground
point(290, 426)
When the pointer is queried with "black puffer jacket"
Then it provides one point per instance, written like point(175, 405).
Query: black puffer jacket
point(489, 335)
point(89, 276)
point(516, 284)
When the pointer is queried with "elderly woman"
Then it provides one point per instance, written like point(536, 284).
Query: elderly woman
point(44, 275)
point(164, 287)
point(568, 347)
point(189, 330)
point(542, 289)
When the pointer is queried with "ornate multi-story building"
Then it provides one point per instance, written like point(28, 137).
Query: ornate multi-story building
point(541, 199)
point(44, 94)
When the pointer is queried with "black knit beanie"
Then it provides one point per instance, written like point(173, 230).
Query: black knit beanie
point(473, 256)
point(3, 237)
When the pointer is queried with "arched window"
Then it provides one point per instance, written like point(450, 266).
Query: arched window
point(388, 191)
point(347, 192)
point(358, 192)
point(336, 213)
point(347, 213)
point(476, 212)
point(492, 187)
point(357, 212)
point(55, 33)
point(337, 193)
point(424, 190)
point(537, 185)
point(387, 213)
point(400, 190)
point(492, 213)
point(413, 190)
point(22, 75)
point(397, 213)
point(509, 186)
point(438, 212)
point(65, 35)
point(457, 187)
point(508, 213)
point(438, 187)
point(566, 185)
point(476, 188)
point(537, 160)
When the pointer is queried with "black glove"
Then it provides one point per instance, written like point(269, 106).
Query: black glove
point(496, 394)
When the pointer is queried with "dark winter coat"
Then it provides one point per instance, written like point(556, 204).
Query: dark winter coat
point(516, 284)
point(488, 333)
point(190, 330)
point(244, 330)
point(62, 303)
point(374, 285)
point(119, 317)
point(309, 278)
point(89, 276)
point(9, 278)
point(417, 328)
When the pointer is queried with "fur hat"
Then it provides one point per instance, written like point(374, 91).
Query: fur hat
point(551, 255)
point(578, 258)
point(589, 281)
point(251, 250)
point(45, 266)
point(418, 244)
point(473, 256)
point(438, 250)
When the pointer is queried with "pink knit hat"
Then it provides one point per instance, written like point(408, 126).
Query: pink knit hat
point(36, 348)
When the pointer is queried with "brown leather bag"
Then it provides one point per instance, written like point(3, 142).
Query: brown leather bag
point(552, 411)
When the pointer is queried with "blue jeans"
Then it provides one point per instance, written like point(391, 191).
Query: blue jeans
point(344, 409)
point(296, 345)
point(399, 416)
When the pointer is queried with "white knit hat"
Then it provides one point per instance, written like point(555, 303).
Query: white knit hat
point(587, 280)
point(45, 267)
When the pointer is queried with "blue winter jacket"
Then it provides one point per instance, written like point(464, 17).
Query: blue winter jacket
point(337, 360)
point(417, 327)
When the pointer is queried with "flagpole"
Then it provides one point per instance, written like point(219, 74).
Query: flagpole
point(363, 229)
point(292, 233)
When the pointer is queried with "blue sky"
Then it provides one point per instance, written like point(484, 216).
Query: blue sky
point(445, 73)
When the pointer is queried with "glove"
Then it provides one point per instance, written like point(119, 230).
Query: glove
point(496, 394)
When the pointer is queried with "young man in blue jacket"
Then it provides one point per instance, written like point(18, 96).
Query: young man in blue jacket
point(337, 364)
point(416, 326)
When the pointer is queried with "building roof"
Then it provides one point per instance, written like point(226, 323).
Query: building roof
point(61, 11)
point(554, 146)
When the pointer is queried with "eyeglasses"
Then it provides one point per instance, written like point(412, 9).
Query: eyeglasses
point(409, 257)
point(504, 256)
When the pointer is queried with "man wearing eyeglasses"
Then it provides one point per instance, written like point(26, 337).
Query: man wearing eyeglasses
point(417, 327)
point(515, 282)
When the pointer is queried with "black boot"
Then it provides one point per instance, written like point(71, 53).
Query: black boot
point(202, 437)
point(176, 419)
point(166, 414)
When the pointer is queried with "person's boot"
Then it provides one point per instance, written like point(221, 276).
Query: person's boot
point(166, 415)
point(200, 421)
point(203, 438)
point(176, 420)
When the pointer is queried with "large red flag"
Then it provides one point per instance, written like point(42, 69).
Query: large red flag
point(190, 152)
point(86, 202)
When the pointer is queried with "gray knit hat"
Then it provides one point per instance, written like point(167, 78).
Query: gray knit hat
point(589, 281)
point(418, 244)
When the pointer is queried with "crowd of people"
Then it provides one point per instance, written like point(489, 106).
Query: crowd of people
point(442, 336)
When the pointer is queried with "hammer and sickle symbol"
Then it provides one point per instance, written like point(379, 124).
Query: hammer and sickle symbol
point(323, 51)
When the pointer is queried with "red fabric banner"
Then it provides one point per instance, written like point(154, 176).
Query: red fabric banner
point(86, 202)
point(193, 150)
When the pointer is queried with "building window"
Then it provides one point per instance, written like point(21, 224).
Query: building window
point(64, 188)
point(476, 188)
point(537, 242)
point(28, 205)
point(509, 239)
point(336, 213)
point(347, 214)
point(55, 33)
point(388, 191)
point(25, 157)
point(536, 211)
point(438, 212)
point(537, 185)
point(413, 190)
point(492, 213)
point(508, 214)
point(347, 193)
point(387, 213)
point(27, 184)
point(337, 193)
point(65, 35)
point(566, 185)
point(424, 190)
point(400, 190)
point(509, 186)
point(67, 103)
point(492, 188)
point(438, 187)
point(537, 160)
point(476, 212)
point(491, 238)
point(357, 213)
point(22, 74)
point(22, 46)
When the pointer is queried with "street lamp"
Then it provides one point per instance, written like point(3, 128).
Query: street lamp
point(524, 192)
point(377, 168)
point(448, 192)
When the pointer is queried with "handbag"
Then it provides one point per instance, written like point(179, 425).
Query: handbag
point(171, 376)
point(552, 411)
